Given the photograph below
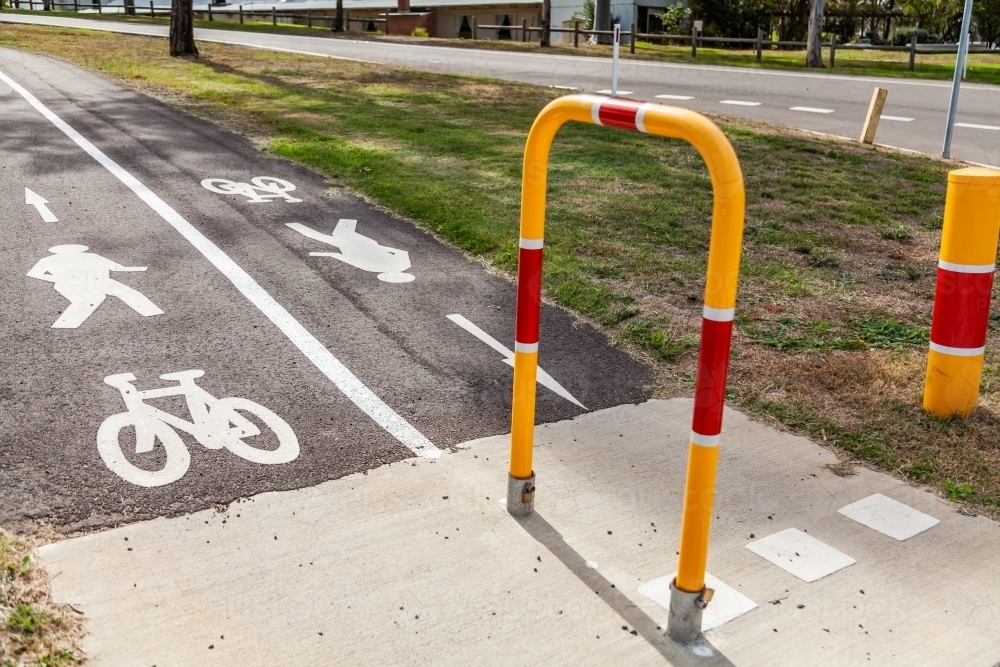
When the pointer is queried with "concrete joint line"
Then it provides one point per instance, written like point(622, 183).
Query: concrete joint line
point(314, 350)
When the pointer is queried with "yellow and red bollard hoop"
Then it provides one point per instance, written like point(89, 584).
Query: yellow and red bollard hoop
point(728, 207)
point(964, 288)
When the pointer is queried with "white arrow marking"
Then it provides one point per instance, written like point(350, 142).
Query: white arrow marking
point(544, 378)
point(39, 202)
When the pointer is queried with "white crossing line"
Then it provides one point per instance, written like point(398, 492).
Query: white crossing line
point(889, 517)
point(314, 350)
point(674, 97)
point(620, 92)
point(727, 603)
point(810, 109)
point(977, 127)
point(740, 103)
point(801, 554)
point(902, 119)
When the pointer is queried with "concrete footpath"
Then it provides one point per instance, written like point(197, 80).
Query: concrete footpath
point(418, 563)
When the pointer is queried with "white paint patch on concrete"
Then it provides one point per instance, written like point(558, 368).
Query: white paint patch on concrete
point(39, 202)
point(315, 351)
point(674, 97)
point(260, 189)
point(740, 103)
point(810, 109)
point(974, 126)
point(727, 603)
point(542, 377)
point(889, 517)
point(800, 554)
point(84, 278)
point(901, 119)
point(360, 251)
point(620, 92)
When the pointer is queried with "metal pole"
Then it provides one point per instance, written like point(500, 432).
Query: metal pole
point(474, 28)
point(274, 16)
point(152, 14)
point(956, 83)
point(760, 40)
point(694, 42)
point(833, 50)
point(614, 60)
point(576, 34)
point(913, 51)
point(241, 14)
point(631, 39)
point(524, 29)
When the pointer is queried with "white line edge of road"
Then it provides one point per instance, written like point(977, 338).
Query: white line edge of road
point(315, 351)
point(53, 21)
point(975, 126)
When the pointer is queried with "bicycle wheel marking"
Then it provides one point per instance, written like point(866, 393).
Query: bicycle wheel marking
point(215, 424)
point(260, 189)
point(315, 351)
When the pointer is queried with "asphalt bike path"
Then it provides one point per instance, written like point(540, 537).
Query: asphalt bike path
point(821, 101)
point(306, 333)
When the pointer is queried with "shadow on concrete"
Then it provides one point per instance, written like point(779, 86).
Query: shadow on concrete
point(678, 655)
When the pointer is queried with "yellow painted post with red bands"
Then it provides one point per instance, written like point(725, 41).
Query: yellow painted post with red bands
point(720, 300)
point(964, 287)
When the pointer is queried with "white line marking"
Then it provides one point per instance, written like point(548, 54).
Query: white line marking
point(901, 119)
point(565, 88)
point(543, 378)
point(889, 517)
point(958, 351)
point(674, 97)
point(321, 357)
point(966, 268)
point(620, 92)
point(39, 202)
point(812, 110)
point(740, 103)
point(800, 554)
point(977, 127)
point(727, 603)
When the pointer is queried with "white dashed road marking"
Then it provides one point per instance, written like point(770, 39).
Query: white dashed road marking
point(977, 127)
point(727, 603)
point(889, 517)
point(674, 97)
point(620, 92)
point(314, 350)
point(800, 554)
point(901, 119)
point(740, 103)
point(810, 109)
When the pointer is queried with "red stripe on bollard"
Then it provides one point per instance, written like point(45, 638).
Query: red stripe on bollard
point(529, 295)
point(618, 113)
point(713, 367)
point(961, 309)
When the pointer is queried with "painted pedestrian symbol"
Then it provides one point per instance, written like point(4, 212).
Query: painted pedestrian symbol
point(85, 279)
point(217, 423)
point(361, 252)
point(260, 189)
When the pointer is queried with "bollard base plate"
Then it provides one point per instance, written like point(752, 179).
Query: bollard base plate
point(684, 622)
point(521, 495)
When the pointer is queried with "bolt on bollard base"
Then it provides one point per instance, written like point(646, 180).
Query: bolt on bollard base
point(521, 495)
point(686, 609)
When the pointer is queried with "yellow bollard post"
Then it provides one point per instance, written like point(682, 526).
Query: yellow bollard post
point(689, 595)
point(964, 287)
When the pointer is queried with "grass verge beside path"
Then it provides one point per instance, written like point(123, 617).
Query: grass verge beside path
point(983, 67)
point(33, 631)
point(840, 252)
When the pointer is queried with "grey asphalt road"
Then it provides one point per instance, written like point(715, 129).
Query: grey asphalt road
point(914, 118)
point(213, 261)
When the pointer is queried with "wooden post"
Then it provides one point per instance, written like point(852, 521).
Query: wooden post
point(631, 39)
point(474, 28)
point(913, 51)
point(274, 16)
point(76, 6)
point(576, 34)
point(524, 30)
point(210, 11)
point(694, 42)
point(833, 50)
point(241, 14)
point(152, 13)
point(874, 114)
point(760, 42)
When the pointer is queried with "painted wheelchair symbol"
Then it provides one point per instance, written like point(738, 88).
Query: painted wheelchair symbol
point(217, 424)
point(260, 189)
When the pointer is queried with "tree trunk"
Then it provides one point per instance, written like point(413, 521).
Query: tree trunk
point(338, 19)
point(814, 45)
point(182, 29)
point(602, 19)
point(546, 35)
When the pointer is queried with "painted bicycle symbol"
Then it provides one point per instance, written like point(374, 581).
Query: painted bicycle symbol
point(260, 189)
point(217, 424)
